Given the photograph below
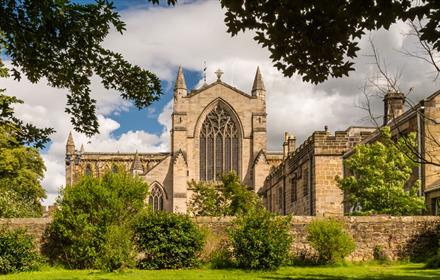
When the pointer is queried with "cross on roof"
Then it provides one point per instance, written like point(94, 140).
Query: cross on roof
point(219, 74)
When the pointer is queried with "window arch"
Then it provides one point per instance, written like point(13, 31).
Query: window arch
point(88, 169)
point(219, 144)
point(156, 198)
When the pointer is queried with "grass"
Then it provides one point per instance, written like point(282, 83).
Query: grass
point(352, 271)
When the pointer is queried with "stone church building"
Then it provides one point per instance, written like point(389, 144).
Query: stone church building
point(216, 128)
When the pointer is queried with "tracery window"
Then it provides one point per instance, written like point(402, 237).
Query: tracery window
point(219, 144)
point(156, 198)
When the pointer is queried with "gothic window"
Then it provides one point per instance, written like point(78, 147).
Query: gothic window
point(156, 198)
point(280, 198)
point(306, 182)
point(219, 145)
point(88, 169)
point(293, 190)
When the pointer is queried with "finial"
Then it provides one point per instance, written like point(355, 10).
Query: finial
point(258, 85)
point(70, 145)
point(326, 128)
point(219, 74)
point(180, 80)
point(81, 150)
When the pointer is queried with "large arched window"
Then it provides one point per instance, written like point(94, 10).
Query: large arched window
point(156, 198)
point(219, 144)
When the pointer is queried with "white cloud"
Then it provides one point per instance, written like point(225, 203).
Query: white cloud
point(162, 38)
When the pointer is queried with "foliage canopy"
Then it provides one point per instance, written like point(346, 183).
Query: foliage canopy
point(380, 181)
point(21, 172)
point(294, 31)
point(61, 41)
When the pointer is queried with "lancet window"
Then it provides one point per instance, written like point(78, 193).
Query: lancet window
point(219, 144)
point(156, 198)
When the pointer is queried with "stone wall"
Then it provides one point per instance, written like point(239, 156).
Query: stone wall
point(34, 226)
point(400, 237)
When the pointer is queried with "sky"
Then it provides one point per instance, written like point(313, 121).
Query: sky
point(160, 38)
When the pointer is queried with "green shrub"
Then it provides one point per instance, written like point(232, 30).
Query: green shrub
point(17, 252)
point(118, 251)
point(88, 212)
point(229, 198)
point(222, 257)
point(167, 240)
point(330, 240)
point(260, 240)
point(379, 254)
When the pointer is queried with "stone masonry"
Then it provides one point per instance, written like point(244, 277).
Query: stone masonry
point(400, 237)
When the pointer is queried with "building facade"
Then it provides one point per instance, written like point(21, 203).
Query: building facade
point(215, 129)
point(305, 183)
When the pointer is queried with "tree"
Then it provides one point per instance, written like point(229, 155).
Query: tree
point(319, 39)
point(23, 133)
point(61, 41)
point(228, 198)
point(380, 181)
point(21, 172)
point(94, 214)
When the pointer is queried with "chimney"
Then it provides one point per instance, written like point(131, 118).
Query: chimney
point(393, 105)
point(286, 145)
point(291, 144)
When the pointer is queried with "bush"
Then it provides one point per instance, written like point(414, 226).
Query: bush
point(117, 252)
point(17, 252)
point(260, 240)
point(167, 240)
point(81, 231)
point(330, 240)
point(379, 254)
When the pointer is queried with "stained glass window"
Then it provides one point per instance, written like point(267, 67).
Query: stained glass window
point(219, 144)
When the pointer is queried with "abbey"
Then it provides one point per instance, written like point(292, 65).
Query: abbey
point(215, 129)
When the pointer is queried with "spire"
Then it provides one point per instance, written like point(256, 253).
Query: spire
point(70, 145)
point(136, 167)
point(258, 86)
point(81, 150)
point(180, 86)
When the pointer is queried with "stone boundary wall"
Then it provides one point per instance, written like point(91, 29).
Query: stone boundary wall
point(400, 237)
point(407, 237)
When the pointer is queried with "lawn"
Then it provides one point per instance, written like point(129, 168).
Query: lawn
point(364, 272)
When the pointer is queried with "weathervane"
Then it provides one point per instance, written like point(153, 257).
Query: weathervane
point(219, 74)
